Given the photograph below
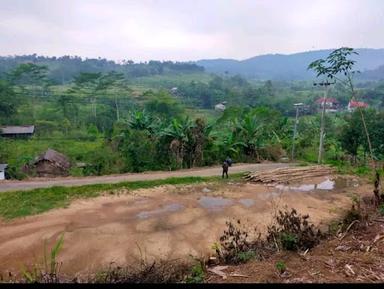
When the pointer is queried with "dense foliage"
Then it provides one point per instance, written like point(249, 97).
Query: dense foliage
point(115, 124)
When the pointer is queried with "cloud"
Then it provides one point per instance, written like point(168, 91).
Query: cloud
point(186, 30)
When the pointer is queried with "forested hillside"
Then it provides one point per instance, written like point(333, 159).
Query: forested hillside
point(63, 69)
point(289, 66)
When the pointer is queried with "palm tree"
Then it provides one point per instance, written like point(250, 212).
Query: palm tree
point(249, 131)
point(179, 136)
point(139, 120)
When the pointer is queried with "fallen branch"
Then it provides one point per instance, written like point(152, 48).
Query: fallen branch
point(238, 275)
point(218, 271)
point(377, 238)
point(349, 227)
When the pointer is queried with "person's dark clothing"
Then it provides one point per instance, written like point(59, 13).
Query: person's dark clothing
point(225, 169)
point(229, 161)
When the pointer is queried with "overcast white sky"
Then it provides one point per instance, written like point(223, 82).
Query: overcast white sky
point(186, 29)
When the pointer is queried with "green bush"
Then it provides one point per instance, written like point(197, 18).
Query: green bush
point(197, 274)
point(381, 209)
point(280, 266)
point(246, 256)
point(288, 241)
point(15, 173)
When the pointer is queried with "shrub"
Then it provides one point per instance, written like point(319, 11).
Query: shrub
point(288, 241)
point(293, 232)
point(244, 257)
point(14, 173)
point(238, 246)
point(197, 273)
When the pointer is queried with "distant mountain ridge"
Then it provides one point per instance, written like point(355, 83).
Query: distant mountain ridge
point(289, 66)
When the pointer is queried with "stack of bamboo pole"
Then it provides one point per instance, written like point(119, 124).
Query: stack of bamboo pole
point(286, 175)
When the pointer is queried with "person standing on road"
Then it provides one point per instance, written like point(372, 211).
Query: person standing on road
point(225, 169)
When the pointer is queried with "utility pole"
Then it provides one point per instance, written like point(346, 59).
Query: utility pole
point(297, 105)
point(321, 143)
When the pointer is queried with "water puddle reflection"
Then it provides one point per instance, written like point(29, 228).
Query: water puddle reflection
point(247, 202)
point(327, 185)
point(165, 209)
point(214, 203)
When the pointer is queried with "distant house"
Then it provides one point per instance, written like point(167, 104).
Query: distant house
point(331, 104)
point(173, 90)
point(17, 131)
point(3, 167)
point(51, 164)
point(352, 105)
point(220, 106)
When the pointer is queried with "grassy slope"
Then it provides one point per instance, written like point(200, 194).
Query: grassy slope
point(24, 203)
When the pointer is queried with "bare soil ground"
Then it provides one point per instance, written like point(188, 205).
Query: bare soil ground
point(357, 258)
point(33, 183)
point(165, 222)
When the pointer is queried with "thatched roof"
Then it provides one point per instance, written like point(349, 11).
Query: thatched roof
point(25, 129)
point(55, 157)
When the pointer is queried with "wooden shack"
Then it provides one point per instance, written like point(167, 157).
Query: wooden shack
point(51, 164)
point(25, 131)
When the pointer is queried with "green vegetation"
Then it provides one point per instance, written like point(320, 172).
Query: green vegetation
point(281, 267)
point(159, 116)
point(197, 274)
point(50, 272)
point(381, 209)
point(24, 203)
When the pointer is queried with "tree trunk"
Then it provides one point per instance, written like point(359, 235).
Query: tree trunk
point(117, 109)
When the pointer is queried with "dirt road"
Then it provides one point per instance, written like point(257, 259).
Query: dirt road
point(166, 222)
point(79, 181)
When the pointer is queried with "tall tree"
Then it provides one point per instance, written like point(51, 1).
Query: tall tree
point(30, 79)
point(87, 84)
point(339, 67)
point(8, 100)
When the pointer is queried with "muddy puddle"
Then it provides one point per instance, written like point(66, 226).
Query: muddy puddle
point(158, 223)
point(328, 185)
point(214, 203)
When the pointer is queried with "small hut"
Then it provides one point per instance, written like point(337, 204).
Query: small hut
point(25, 131)
point(52, 164)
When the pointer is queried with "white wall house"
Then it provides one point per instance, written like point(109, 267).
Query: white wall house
point(2, 171)
point(220, 106)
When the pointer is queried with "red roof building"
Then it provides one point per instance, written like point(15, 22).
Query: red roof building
point(352, 105)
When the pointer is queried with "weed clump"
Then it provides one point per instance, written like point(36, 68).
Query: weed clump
point(154, 272)
point(197, 274)
point(238, 244)
point(292, 231)
point(281, 267)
